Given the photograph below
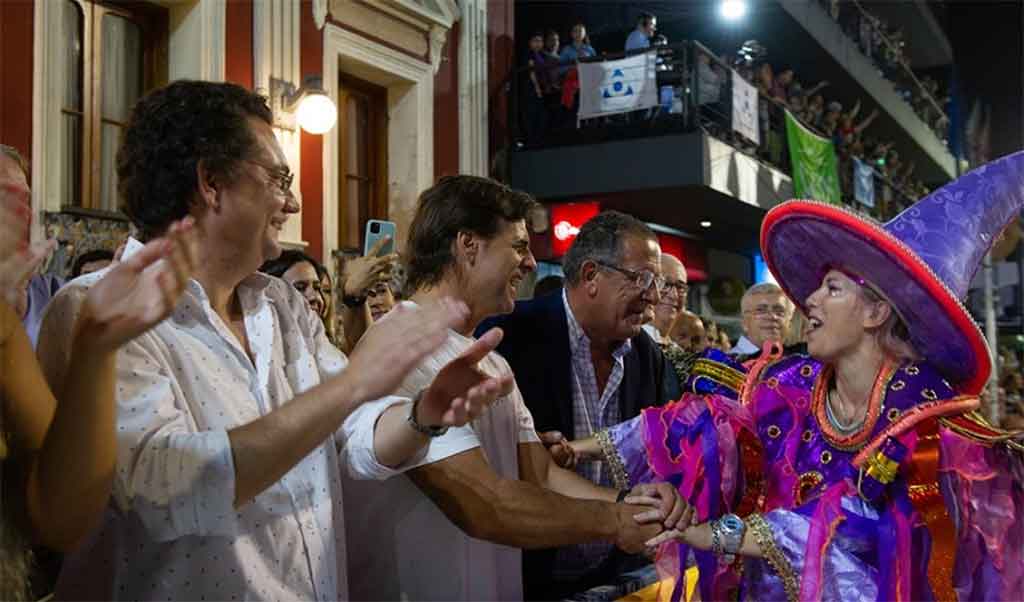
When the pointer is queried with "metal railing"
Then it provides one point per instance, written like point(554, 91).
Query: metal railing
point(701, 100)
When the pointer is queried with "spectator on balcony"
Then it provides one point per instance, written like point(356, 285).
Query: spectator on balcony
point(640, 38)
point(780, 85)
point(816, 111)
point(538, 84)
point(830, 120)
point(847, 131)
point(578, 48)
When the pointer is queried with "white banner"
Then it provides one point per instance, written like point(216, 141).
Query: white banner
point(744, 109)
point(863, 183)
point(620, 86)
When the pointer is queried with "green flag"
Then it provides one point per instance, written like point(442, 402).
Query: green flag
point(815, 175)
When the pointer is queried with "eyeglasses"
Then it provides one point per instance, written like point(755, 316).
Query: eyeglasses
point(642, 279)
point(763, 310)
point(281, 175)
point(681, 288)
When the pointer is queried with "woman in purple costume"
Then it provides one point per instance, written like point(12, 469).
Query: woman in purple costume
point(864, 470)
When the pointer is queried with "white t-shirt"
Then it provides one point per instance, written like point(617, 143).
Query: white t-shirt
point(402, 547)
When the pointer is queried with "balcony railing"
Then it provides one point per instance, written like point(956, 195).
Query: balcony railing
point(696, 92)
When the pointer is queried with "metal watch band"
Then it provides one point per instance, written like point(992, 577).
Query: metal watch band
point(430, 431)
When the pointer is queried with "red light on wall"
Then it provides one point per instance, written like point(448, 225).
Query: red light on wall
point(566, 221)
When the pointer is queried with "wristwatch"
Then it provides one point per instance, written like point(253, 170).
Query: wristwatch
point(430, 431)
point(730, 529)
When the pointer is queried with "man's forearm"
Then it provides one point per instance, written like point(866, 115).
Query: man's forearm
point(267, 448)
point(394, 440)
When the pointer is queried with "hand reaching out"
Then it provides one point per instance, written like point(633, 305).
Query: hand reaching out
point(666, 505)
point(561, 451)
point(140, 292)
point(460, 391)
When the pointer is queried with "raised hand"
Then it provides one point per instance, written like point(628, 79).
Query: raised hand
point(138, 293)
point(362, 273)
point(460, 391)
point(18, 259)
point(393, 346)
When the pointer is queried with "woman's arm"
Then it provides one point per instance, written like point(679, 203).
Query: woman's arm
point(72, 456)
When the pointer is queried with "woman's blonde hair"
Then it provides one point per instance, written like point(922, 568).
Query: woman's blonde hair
point(892, 336)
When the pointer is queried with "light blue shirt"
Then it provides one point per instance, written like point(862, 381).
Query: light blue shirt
point(637, 40)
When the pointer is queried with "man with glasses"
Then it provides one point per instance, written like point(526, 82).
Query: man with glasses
point(583, 363)
point(673, 300)
point(233, 414)
point(767, 313)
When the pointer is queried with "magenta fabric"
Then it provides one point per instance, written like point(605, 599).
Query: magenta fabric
point(839, 545)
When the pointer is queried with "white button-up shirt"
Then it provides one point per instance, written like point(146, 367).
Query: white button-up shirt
point(171, 531)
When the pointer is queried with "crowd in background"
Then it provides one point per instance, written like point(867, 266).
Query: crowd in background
point(550, 98)
point(885, 46)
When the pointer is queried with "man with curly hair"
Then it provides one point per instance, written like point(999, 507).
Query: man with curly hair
point(232, 412)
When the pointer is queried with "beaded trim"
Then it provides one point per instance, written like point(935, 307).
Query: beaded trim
point(611, 455)
point(915, 416)
point(762, 533)
point(859, 438)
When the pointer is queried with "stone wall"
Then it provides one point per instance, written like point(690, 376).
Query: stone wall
point(79, 233)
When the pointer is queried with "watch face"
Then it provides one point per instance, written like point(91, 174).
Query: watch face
point(731, 523)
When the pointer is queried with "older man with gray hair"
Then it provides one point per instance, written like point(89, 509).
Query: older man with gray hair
point(767, 314)
point(583, 363)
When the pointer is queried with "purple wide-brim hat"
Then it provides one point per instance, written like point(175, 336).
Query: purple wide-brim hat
point(922, 261)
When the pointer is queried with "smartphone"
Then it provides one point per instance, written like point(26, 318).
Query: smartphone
point(375, 230)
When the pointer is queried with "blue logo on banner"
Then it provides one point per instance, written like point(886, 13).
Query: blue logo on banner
point(618, 87)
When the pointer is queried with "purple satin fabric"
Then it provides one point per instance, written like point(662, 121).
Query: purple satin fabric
point(840, 546)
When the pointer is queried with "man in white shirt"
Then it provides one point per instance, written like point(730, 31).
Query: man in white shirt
point(230, 412)
point(450, 531)
point(767, 313)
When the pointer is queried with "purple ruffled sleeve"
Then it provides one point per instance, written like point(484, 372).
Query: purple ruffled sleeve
point(984, 491)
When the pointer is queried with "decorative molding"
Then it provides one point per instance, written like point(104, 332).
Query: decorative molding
point(410, 88)
point(473, 91)
point(45, 123)
point(320, 10)
point(214, 36)
point(438, 38)
point(276, 45)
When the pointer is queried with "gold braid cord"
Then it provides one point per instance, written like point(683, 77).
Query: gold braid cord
point(615, 463)
point(974, 426)
point(762, 532)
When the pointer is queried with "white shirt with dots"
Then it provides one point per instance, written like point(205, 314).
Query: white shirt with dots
point(171, 531)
